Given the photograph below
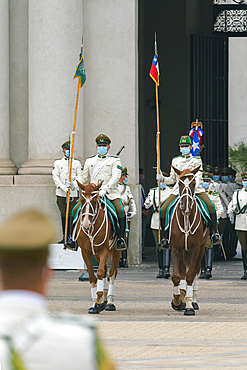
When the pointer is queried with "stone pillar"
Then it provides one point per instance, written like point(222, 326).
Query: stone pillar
point(55, 31)
point(7, 167)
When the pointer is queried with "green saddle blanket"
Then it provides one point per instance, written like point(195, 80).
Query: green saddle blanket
point(202, 207)
point(111, 210)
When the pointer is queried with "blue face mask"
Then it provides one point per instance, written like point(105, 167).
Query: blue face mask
point(185, 150)
point(143, 177)
point(162, 186)
point(244, 184)
point(67, 153)
point(216, 178)
point(230, 178)
point(125, 180)
point(224, 178)
point(102, 150)
point(205, 185)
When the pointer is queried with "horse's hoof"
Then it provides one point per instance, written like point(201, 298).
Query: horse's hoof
point(189, 312)
point(110, 307)
point(179, 307)
point(195, 305)
point(92, 310)
point(100, 307)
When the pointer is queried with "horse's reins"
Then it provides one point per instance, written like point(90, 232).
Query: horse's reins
point(187, 226)
point(94, 216)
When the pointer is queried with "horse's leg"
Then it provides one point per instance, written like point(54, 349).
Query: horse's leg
point(190, 275)
point(195, 282)
point(175, 257)
point(182, 284)
point(115, 256)
point(87, 257)
point(101, 272)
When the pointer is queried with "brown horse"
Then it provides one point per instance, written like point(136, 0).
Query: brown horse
point(188, 236)
point(95, 236)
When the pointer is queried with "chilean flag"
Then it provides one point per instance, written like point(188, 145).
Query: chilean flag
point(154, 71)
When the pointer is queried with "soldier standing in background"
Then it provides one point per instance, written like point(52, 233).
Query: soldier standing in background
point(152, 200)
point(129, 207)
point(60, 175)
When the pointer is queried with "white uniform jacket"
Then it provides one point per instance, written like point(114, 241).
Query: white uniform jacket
point(107, 169)
point(215, 198)
point(60, 174)
point(241, 219)
point(217, 187)
point(152, 200)
point(127, 198)
point(181, 163)
point(43, 342)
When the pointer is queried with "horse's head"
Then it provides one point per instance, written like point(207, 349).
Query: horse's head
point(89, 203)
point(186, 183)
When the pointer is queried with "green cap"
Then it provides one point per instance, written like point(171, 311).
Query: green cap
point(244, 175)
point(185, 140)
point(102, 139)
point(124, 171)
point(66, 145)
point(206, 176)
point(27, 231)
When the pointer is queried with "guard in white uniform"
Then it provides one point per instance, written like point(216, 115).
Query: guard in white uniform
point(129, 208)
point(152, 200)
point(106, 168)
point(238, 207)
point(186, 160)
point(31, 339)
point(60, 175)
point(207, 260)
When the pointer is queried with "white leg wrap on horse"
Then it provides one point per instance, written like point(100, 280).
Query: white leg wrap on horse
point(111, 280)
point(94, 293)
point(182, 285)
point(176, 290)
point(111, 290)
point(189, 292)
point(105, 283)
point(100, 285)
point(195, 284)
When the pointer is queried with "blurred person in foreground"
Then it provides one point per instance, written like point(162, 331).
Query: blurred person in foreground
point(30, 339)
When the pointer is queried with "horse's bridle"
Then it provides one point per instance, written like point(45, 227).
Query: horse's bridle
point(94, 216)
point(187, 225)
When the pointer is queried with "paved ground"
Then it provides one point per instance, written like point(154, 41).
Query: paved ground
point(146, 333)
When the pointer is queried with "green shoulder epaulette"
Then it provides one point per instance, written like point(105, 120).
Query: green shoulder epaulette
point(92, 156)
point(114, 156)
point(212, 192)
point(119, 167)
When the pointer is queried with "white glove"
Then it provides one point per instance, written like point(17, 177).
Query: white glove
point(160, 177)
point(131, 214)
point(69, 185)
point(148, 203)
point(102, 193)
point(64, 188)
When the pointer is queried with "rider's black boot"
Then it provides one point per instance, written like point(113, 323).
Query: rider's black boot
point(121, 244)
point(160, 264)
point(203, 268)
point(214, 235)
point(164, 243)
point(167, 264)
point(244, 255)
point(209, 262)
point(63, 228)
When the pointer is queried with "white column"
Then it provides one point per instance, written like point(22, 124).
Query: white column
point(55, 31)
point(6, 165)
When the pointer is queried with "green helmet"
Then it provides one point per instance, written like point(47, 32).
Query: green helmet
point(185, 140)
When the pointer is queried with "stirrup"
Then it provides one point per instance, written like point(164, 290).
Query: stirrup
point(121, 245)
point(164, 244)
point(216, 238)
point(71, 244)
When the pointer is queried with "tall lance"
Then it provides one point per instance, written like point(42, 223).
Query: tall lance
point(80, 74)
point(154, 74)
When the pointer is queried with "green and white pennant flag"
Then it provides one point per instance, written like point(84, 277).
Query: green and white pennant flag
point(80, 72)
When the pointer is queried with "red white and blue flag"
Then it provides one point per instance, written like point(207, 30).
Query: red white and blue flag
point(154, 71)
